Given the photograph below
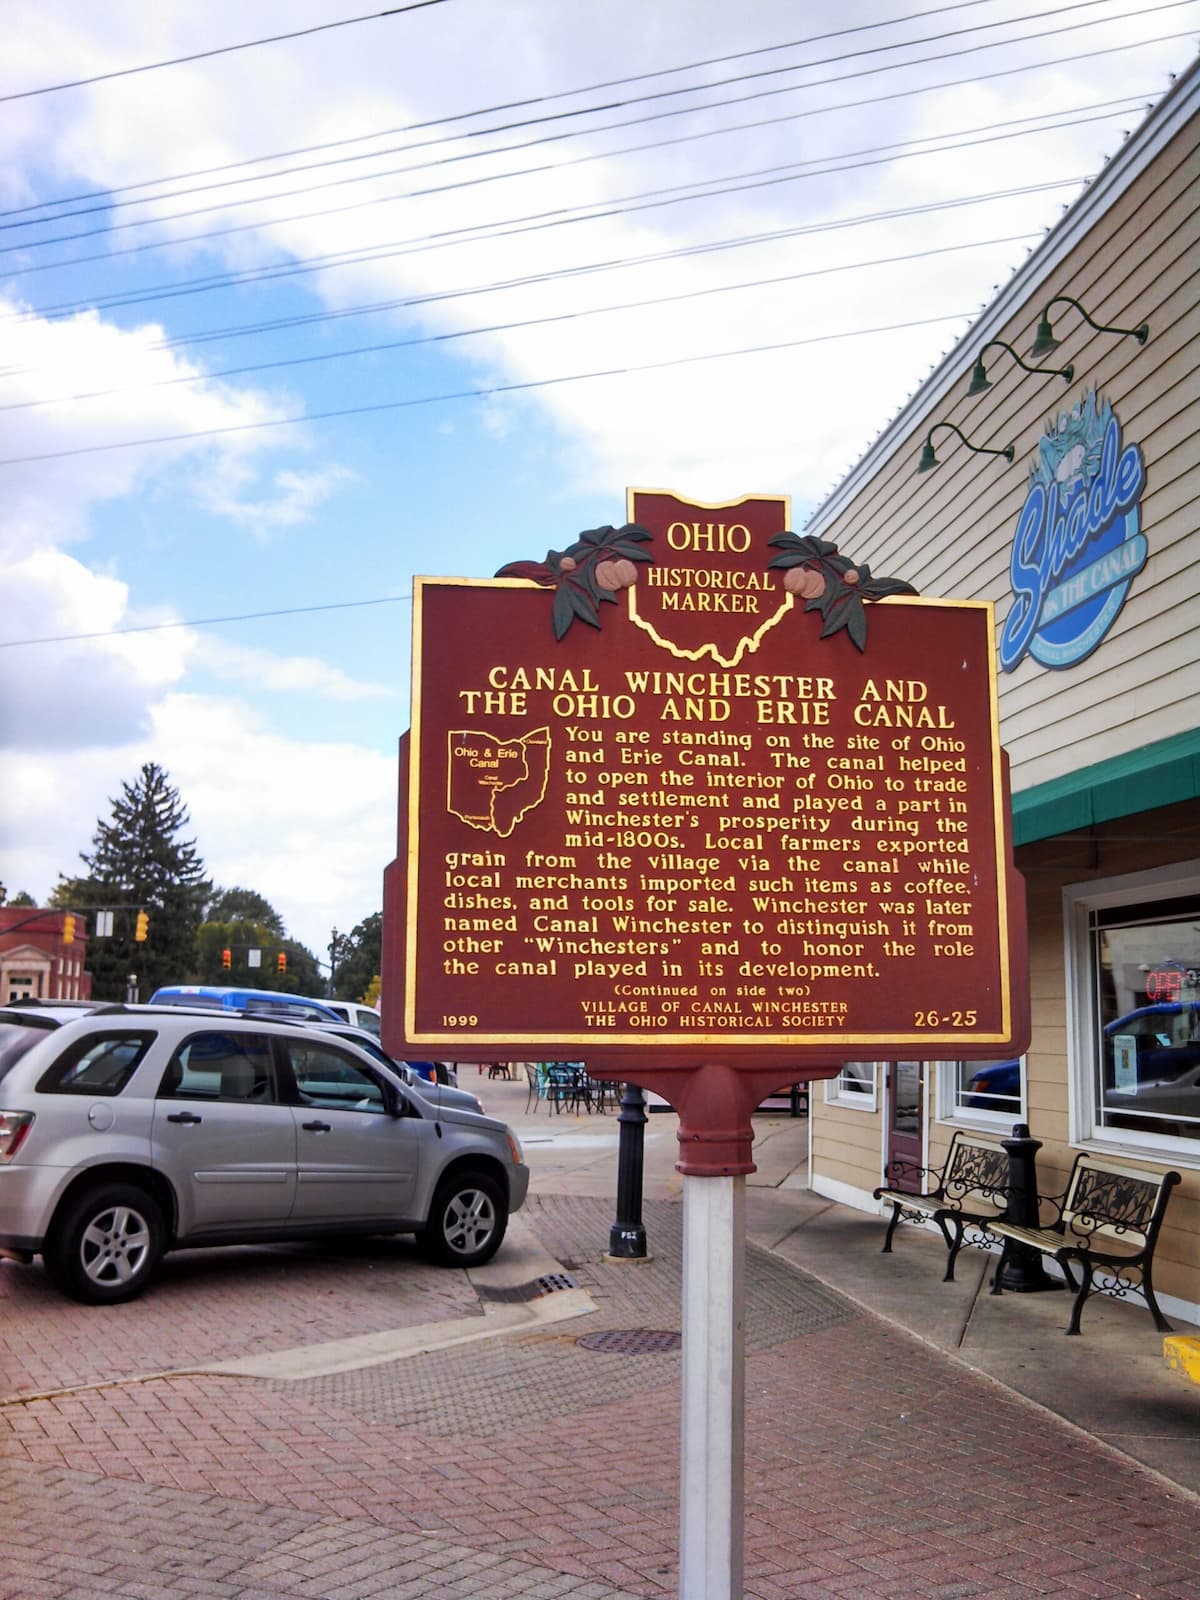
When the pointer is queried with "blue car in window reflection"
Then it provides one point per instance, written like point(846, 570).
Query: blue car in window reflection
point(996, 1086)
point(1151, 1047)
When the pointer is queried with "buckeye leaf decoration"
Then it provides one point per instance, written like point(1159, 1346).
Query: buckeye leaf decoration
point(595, 568)
point(831, 584)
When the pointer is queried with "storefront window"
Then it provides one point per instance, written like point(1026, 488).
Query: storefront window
point(1134, 1011)
point(1146, 989)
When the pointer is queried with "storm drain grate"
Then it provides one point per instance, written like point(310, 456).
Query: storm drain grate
point(631, 1341)
point(528, 1291)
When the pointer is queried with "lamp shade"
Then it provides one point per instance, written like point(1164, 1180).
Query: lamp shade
point(1043, 340)
point(928, 460)
point(979, 379)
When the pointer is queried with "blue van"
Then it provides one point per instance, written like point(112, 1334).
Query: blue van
point(269, 1001)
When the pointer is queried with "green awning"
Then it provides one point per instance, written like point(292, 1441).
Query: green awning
point(1159, 774)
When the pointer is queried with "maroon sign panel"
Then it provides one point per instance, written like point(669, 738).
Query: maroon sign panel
point(687, 791)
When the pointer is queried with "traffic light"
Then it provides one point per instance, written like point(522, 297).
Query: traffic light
point(281, 961)
point(68, 930)
point(141, 928)
point(226, 959)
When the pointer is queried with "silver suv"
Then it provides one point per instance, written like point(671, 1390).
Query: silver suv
point(129, 1131)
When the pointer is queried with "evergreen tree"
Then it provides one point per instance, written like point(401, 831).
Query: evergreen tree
point(139, 862)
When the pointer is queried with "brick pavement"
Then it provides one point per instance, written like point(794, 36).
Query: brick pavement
point(528, 1466)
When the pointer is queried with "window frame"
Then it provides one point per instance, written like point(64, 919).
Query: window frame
point(1080, 901)
point(856, 1099)
point(950, 1110)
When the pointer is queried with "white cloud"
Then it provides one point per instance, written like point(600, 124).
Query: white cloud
point(296, 497)
point(72, 693)
point(49, 501)
point(260, 669)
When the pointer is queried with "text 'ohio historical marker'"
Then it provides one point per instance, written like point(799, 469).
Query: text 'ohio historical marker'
point(677, 791)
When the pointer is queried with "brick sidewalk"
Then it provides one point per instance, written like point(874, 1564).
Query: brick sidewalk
point(530, 1466)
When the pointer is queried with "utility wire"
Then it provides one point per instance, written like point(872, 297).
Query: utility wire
point(685, 89)
point(219, 50)
point(204, 622)
point(524, 172)
point(504, 327)
point(483, 111)
point(373, 177)
point(622, 263)
point(533, 222)
point(475, 394)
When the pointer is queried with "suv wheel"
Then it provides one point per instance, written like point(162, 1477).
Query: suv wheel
point(106, 1243)
point(467, 1221)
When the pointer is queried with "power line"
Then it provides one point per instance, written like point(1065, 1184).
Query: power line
point(625, 262)
point(473, 394)
point(504, 327)
point(219, 50)
point(162, 244)
point(462, 116)
point(533, 222)
point(204, 622)
point(374, 177)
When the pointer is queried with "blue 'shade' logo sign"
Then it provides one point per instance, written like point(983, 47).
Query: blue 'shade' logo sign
point(1078, 544)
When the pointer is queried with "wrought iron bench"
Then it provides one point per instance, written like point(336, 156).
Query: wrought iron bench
point(970, 1190)
point(1109, 1220)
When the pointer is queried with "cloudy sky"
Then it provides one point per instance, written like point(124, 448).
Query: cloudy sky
point(288, 322)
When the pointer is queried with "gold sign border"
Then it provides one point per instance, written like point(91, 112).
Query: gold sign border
point(934, 1039)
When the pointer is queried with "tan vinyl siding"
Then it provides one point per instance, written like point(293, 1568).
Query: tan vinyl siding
point(848, 1143)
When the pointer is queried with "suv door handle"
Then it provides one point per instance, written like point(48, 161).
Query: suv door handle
point(184, 1116)
point(316, 1127)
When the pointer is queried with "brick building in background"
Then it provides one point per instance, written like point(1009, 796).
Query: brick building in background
point(42, 955)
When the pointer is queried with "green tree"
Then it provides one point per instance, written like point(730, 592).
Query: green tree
point(360, 958)
point(245, 905)
point(240, 938)
point(138, 861)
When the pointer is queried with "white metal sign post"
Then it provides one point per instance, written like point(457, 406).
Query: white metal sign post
point(711, 1511)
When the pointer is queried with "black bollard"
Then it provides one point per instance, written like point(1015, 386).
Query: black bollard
point(1023, 1271)
point(627, 1236)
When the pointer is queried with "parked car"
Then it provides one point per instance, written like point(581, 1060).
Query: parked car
point(357, 1014)
point(218, 997)
point(133, 1130)
point(422, 1075)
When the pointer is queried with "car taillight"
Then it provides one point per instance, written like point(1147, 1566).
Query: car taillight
point(14, 1125)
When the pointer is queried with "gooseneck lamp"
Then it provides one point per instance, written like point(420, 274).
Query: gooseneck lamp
point(1044, 340)
point(929, 460)
point(980, 380)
